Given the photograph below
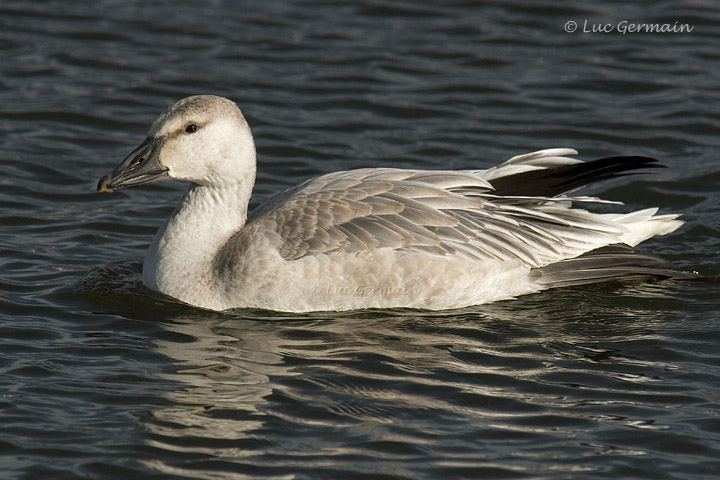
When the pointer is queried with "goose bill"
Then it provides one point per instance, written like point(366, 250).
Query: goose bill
point(141, 167)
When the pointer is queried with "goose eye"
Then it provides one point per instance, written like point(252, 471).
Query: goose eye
point(191, 128)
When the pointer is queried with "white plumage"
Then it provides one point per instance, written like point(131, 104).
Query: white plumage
point(377, 237)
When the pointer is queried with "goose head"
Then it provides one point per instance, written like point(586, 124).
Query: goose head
point(203, 139)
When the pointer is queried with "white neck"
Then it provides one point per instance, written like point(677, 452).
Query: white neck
point(180, 259)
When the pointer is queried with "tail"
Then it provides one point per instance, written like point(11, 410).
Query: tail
point(644, 224)
point(552, 173)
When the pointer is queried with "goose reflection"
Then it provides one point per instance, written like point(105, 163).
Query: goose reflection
point(406, 387)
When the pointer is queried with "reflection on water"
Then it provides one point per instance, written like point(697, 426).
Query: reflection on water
point(227, 377)
point(442, 389)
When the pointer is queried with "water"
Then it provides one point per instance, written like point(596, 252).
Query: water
point(100, 378)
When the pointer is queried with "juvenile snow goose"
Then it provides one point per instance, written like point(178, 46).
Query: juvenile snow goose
point(375, 237)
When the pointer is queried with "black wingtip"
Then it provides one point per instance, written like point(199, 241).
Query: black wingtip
point(550, 182)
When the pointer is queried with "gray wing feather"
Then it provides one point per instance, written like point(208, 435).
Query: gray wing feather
point(614, 262)
point(430, 212)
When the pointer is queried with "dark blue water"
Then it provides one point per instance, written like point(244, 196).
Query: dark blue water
point(100, 378)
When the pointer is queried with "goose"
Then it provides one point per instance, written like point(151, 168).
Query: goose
point(376, 237)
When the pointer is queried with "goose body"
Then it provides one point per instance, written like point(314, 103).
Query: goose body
point(375, 237)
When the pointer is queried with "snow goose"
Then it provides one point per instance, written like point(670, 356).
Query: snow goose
point(375, 237)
